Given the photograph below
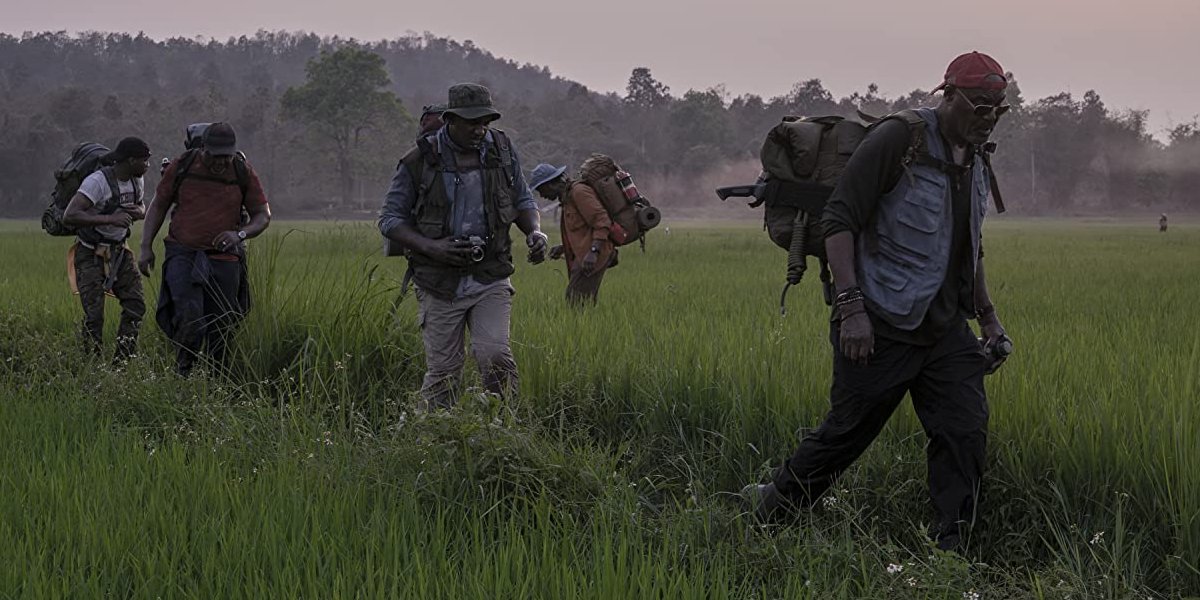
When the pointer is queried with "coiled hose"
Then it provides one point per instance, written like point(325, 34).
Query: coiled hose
point(796, 264)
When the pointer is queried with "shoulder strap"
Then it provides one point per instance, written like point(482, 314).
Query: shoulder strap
point(504, 148)
point(114, 187)
point(986, 154)
point(241, 172)
point(916, 134)
point(423, 163)
point(182, 166)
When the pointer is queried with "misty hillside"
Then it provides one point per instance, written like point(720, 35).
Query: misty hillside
point(1058, 154)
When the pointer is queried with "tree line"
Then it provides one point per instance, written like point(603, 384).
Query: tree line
point(324, 120)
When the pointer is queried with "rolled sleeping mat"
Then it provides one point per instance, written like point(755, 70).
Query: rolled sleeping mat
point(648, 218)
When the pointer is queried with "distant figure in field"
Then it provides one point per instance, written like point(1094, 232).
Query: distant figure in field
point(1162, 223)
point(205, 291)
point(585, 233)
point(431, 119)
point(103, 262)
point(907, 261)
point(452, 204)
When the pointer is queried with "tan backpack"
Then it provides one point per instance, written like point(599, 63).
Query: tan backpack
point(629, 210)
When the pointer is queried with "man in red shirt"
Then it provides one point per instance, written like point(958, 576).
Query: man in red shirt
point(205, 291)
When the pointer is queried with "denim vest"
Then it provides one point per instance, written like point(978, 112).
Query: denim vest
point(903, 254)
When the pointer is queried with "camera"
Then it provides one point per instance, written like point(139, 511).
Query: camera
point(477, 247)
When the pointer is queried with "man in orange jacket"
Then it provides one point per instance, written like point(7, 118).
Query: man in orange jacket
point(585, 231)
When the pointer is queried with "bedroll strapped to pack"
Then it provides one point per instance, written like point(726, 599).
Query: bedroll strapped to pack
point(629, 210)
point(85, 159)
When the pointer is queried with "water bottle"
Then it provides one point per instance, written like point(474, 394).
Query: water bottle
point(625, 182)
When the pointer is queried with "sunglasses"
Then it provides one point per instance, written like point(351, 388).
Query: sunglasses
point(982, 110)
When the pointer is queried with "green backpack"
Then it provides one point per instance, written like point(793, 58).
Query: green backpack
point(802, 160)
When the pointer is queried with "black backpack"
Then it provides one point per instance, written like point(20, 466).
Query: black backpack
point(193, 145)
point(241, 172)
point(87, 158)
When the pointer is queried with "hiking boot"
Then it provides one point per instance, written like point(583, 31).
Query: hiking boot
point(765, 502)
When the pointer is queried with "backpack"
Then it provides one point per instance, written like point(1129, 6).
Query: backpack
point(193, 145)
point(802, 160)
point(241, 174)
point(86, 159)
point(630, 211)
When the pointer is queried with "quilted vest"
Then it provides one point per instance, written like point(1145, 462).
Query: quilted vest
point(904, 253)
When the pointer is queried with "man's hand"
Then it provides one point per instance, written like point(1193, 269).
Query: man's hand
point(990, 328)
point(589, 262)
point(857, 337)
point(537, 242)
point(992, 333)
point(450, 251)
point(146, 261)
point(120, 219)
point(226, 241)
point(556, 252)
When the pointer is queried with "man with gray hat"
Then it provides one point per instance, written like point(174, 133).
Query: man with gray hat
point(452, 203)
point(585, 228)
point(205, 290)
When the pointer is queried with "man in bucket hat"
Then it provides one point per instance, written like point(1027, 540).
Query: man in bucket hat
point(585, 227)
point(452, 203)
point(902, 232)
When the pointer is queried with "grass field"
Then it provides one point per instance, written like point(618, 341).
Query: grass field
point(613, 476)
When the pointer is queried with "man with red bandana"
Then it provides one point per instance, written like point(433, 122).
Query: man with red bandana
point(903, 236)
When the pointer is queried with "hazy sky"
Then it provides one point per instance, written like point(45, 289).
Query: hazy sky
point(1141, 54)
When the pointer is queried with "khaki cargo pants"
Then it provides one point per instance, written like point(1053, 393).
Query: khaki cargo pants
point(443, 326)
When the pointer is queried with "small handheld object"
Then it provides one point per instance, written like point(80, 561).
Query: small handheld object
point(996, 353)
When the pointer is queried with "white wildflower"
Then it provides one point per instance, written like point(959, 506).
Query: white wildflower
point(1098, 538)
point(894, 568)
point(971, 595)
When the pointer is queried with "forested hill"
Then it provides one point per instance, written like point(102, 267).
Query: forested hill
point(331, 143)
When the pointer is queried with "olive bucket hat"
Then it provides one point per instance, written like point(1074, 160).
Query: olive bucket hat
point(471, 101)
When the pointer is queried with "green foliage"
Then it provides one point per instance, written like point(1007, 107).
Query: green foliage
point(644, 91)
point(345, 105)
point(56, 88)
point(310, 475)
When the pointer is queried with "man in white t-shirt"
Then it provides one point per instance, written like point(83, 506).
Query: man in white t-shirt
point(101, 212)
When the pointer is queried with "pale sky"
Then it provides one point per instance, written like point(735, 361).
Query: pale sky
point(1139, 54)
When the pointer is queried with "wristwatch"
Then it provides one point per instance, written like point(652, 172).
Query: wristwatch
point(241, 235)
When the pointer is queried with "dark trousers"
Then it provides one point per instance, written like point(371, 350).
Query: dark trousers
point(583, 289)
point(126, 286)
point(946, 384)
point(205, 312)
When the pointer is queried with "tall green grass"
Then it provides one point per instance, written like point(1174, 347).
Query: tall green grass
point(308, 474)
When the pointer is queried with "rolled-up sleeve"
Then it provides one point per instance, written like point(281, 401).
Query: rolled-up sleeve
point(398, 205)
point(525, 199)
